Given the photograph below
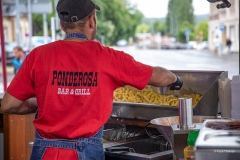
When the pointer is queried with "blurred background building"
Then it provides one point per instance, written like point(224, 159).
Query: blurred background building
point(224, 23)
point(17, 18)
point(9, 23)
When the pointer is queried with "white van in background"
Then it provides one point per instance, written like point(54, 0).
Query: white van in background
point(39, 40)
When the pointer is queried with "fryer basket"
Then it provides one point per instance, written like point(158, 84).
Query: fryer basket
point(113, 131)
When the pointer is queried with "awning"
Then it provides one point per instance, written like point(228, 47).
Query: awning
point(38, 7)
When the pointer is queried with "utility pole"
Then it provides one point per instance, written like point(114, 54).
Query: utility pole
point(176, 27)
point(53, 28)
point(171, 21)
point(3, 53)
point(29, 6)
point(101, 17)
point(173, 31)
point(45, 29)
point(56, 15)
point(18, 31)
point(152, 27)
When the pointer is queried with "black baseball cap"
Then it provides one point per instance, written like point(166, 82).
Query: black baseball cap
point(74, 10)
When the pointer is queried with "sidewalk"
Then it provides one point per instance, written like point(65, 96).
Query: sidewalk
point(9, 70)
point(234, 56)
point(230, 61)
point(10, 75)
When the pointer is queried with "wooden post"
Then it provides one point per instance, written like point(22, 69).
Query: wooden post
point(18, 131)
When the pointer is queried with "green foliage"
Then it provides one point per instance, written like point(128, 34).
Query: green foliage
point(180, 12)
point(107, 28)
point(143, 28)
point(159, 27)
point(37, 21)
point(117, 19)
point(37, 24)
point(202, 27)
point(185, 25)
point(123, 18)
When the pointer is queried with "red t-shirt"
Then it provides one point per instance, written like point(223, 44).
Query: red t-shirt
point(74, 83)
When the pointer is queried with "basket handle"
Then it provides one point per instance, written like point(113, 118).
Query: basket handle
point(150, 134)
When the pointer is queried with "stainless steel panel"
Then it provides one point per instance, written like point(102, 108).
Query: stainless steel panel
point(141, 111)
point(213, 154)
point(168, 126)
point(203, 82)
point(217, 144)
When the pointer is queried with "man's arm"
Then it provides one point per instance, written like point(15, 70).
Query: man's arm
point(12, 105)
point(162, 77)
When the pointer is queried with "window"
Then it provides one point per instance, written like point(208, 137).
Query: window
point(232, 33)
point(222, 11)
point(232, 8)
point(238, 33)
point(5, 34)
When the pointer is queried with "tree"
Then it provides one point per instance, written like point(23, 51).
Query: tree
point(143, 28)
point(183, 27)
point(159, 27)
point(178, 12)
point(123, 17)
point(202, 28)
point(37, 21)
point(37, 24)
point(117, 19)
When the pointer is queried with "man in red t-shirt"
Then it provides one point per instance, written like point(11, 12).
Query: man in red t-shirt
point(70, 84)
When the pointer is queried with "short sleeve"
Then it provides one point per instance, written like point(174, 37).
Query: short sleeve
point(129, 71)
point(22, 85)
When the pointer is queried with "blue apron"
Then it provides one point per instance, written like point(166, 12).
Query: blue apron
point(86, 148)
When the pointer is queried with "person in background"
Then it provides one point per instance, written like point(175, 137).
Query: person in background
point(216, 42)
point(70, 83)
point(229, 44)
point(19, 58)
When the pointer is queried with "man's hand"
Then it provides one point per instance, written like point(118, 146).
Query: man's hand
point(162, 77)
point(176, 85)
point(13, 105)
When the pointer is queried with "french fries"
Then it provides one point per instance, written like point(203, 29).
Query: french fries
point(147, 95)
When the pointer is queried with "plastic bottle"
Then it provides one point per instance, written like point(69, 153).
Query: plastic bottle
point(189, 150)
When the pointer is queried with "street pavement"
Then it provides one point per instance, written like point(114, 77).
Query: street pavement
point(186, 59)
point(173, 60)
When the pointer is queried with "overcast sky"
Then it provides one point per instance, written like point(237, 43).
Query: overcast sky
point(158, 8)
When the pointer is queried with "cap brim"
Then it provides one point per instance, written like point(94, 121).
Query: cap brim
point(97, 7)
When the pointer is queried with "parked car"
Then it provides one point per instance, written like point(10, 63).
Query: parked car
point(122, 43)
point(179, 45)
point(168, 46)
point(192, 45)
point(39, 40)
point(176, 45)
point(202, 46)
point(9, 51)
